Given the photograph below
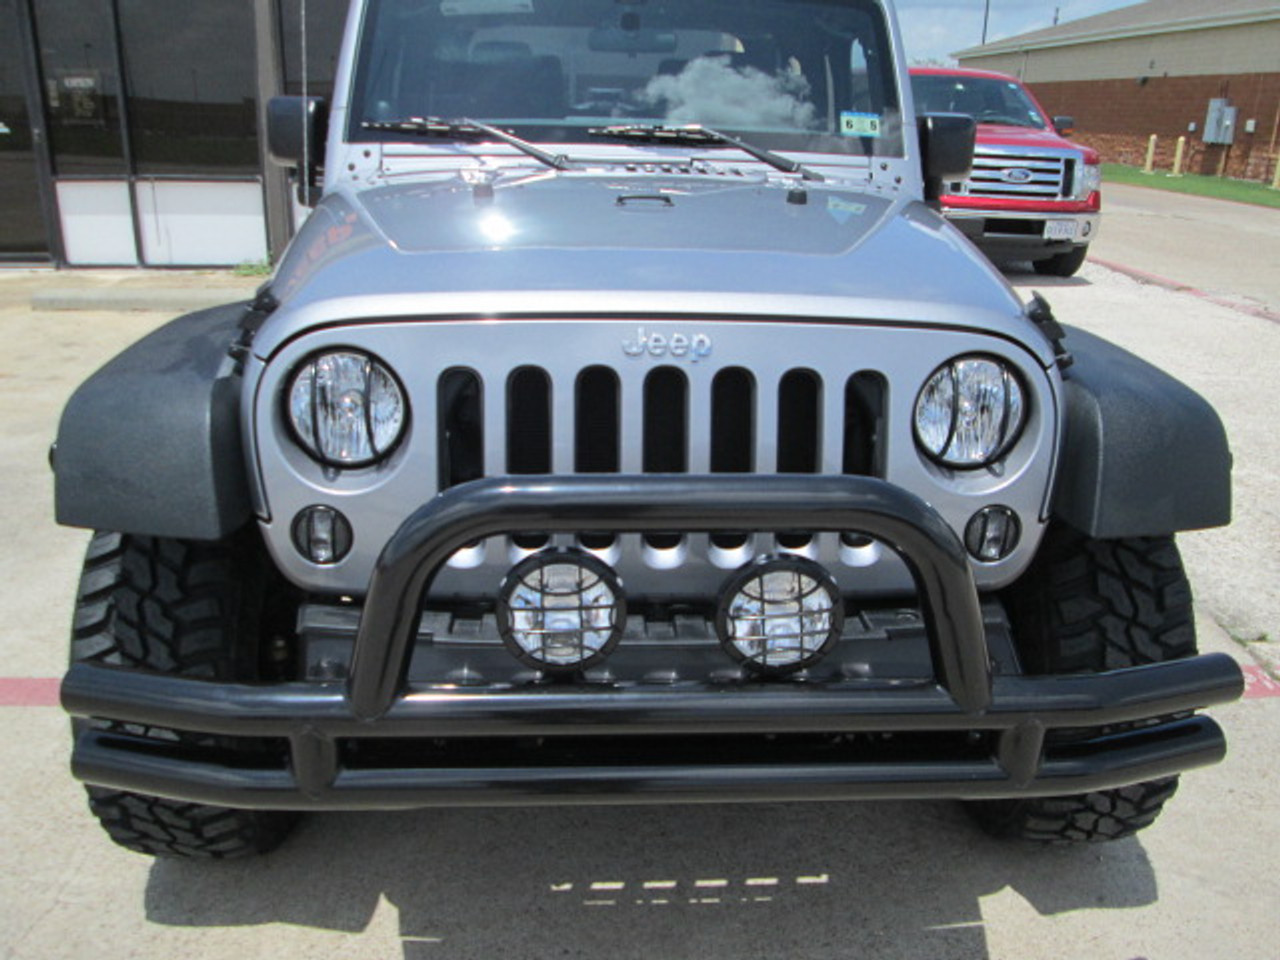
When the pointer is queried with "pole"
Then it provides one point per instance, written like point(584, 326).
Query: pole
point(986, 18)
point(270, 75)
point(1150, 165)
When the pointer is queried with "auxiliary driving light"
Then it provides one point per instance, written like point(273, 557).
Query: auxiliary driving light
point(561, 611)
point(992, 534)
point(780, 614)
point(322, 535)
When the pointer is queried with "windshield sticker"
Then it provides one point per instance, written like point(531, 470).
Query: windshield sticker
point(473, 8)
point(859, 124)
point(844, 210)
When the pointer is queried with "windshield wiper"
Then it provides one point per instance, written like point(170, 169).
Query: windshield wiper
point(698, 134)
point(465, 128)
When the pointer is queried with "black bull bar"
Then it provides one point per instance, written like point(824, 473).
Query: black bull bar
point(376, 702)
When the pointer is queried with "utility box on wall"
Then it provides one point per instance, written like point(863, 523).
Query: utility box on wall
point(1220, 123)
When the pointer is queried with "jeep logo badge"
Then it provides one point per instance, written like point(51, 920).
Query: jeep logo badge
point(681, 346)
point(1018, 175)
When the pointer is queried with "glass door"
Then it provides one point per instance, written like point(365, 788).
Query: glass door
point(25, 234)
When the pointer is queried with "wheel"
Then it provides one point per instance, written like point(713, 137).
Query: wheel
point(193, 609)
point(1062, 264)
point(1084, 606)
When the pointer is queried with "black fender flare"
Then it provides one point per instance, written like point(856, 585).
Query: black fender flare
point(1143, 454)
point(150, 444)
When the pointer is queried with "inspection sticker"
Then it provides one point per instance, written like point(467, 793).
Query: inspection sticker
point(844, 210)
point(859, 124)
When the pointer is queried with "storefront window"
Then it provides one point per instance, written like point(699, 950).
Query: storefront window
point(78, 64)
point(324, 25)
point(190, 73)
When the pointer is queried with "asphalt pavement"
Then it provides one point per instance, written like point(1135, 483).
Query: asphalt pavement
point(1215, 249)
point(873, 880)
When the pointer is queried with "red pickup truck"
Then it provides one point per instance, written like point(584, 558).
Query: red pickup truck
point(1033, 194)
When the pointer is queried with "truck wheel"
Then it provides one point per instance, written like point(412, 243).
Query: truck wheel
point(192, 609)
point(1062, 264)
point(1089, 605)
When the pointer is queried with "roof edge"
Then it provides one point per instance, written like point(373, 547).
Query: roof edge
point(1019, 43)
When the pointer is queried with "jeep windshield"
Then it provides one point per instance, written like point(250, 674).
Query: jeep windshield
point(798, 75)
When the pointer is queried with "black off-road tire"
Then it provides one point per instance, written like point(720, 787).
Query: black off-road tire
point(1085, 606)
point(1062, 264)
point(192, 609)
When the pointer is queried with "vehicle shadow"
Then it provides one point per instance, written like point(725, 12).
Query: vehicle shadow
point(1022, 274)
point(825, 880)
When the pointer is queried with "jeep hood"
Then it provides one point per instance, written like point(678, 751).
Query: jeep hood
point(601, 244)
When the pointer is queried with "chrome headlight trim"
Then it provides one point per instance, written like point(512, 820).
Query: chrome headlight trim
point(970, 412)
point(346, 408)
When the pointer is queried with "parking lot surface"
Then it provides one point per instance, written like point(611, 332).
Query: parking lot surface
point(873, 880)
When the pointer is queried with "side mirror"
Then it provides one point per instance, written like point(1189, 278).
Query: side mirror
point(946, 147)
point(296, 132)
point(1065, 126)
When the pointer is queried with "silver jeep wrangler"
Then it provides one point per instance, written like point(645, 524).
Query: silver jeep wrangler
point(626, 426)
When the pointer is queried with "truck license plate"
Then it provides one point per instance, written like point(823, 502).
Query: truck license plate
point(1060, 230)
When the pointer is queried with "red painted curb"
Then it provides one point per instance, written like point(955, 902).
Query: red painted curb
point(1155, 280)
point(29, 691)
point(1258, 684)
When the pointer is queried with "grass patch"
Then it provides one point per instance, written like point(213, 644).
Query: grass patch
point(252, 268)
point(1219, 188)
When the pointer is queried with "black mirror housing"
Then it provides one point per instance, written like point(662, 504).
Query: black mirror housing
point(946, 146)
point(296, 131)
point(1065, 126)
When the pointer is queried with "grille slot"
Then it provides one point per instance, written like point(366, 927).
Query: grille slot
point(596, 421)
point(666, 412)
point(865, 399)
point(993, 175)
point(461, 427)
point(733, 402)
point(799, 422)
point(528, 421)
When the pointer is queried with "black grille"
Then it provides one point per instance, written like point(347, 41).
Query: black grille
point(659, 430)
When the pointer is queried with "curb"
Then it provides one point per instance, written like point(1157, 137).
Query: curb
point(1155, 280)
point(161, 300)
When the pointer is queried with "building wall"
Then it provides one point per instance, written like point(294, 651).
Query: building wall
point(1162, 85)
point(1117, 117)
point(1251, 48)
point(139, 125)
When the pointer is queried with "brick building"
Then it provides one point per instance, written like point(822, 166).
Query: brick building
point(1155, 67)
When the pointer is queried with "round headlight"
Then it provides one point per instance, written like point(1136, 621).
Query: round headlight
point(970, 412)
point(346, 408)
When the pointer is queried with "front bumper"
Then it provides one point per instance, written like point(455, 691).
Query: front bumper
point(1026, 232)
point(1023, 732)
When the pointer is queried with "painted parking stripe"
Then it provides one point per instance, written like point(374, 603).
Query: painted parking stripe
point(29, 691)
point(1258, 683)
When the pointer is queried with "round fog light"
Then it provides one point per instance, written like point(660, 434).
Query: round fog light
point(992, 534)
point(561, 611)
point(322, 535)
point(780, 614)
